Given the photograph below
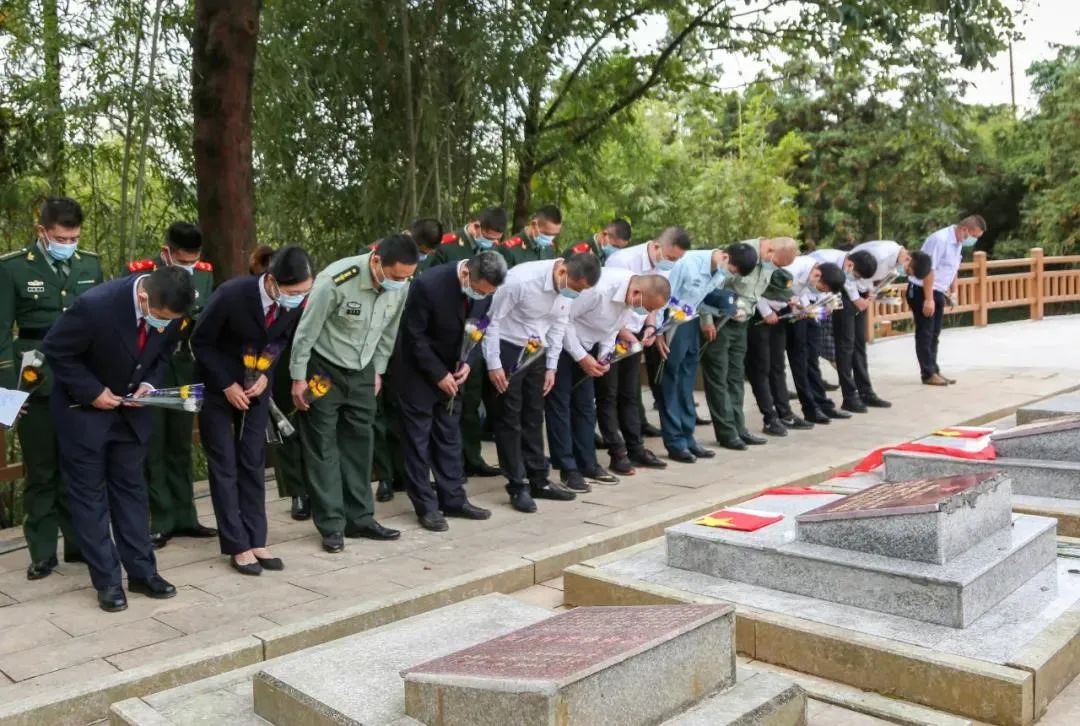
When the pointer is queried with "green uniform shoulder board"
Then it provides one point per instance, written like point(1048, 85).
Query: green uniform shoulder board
point(89, 253)
point(13, 255)
point(345, 275)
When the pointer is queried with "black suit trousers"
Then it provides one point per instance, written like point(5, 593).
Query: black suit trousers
point(765, 350)
point(518, 418)
point(430, 437)
point(618, 406)
point(849, 332)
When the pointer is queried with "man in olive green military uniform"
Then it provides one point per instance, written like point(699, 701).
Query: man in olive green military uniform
point(480, 234)
point(537, 240)
point(170, 471)
point(37, 284)
point(347, 333)
point(427, 233)
point(613, 237)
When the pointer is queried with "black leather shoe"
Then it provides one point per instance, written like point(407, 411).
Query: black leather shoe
point(154, 586)
point(733, 444)
point(649, 431)
point(817, 417)
point(252, 568)
point(682, 456)
point(647, 459)
point(374, 530)
point(600, 474)
point(274, 564)
point(775, 428)
point(575, 481)
point(794, 422)
point(854, 407)
point(700, 421)
point(38, 570)
point(301, 509)
point(384, 492)
point(199, 531)
point(112, 599)
point(548, 489)
point(831, 386)
point(597, 441)
point(837, 414)
point(333, 543)
point(74, 557)
point(158, 540)
point(751, 440)
point(468, 510)
point(701, 452)
point(522, 501)
point(483, 469)
point(876, 401)
point(621, 465)
point(433, 521)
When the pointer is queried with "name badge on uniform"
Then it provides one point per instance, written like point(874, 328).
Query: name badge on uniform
point(35, 286)
point(90, 282)
point(353, 308)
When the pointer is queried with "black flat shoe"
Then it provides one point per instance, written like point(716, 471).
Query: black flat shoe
point(751, 440)
point(384, 492)
point(699, 421)
point(733, 444)
point(155, 586)
point(683, 456)
point(199, 531)
point(701, 452)
point(837, 414)
point(301, 509)
point(794, 422)
point(522, 501)
point(876, 401)
point(374, 530)
point(38, 570)
point(252, 568)
point(433, 521)
point(817, 417)
point(621, 465)
point(112, 599)
point(775, 428)
point(832, 387)
point(649, 431)
point(548, 489)
point(274, 564)
point(575, 481)
point(483, 469)
point(854, 407)
point(601, 475)
point(333, 543)
point(158, 540)
point(468, 510)
point(648, 459)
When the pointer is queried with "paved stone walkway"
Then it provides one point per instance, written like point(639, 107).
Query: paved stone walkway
point(51, 632)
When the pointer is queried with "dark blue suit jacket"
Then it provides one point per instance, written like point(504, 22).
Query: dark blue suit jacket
point(94, 346)
point(231, 323)
point(429, 340)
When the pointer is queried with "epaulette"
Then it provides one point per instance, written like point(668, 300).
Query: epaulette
point(142, 266)
point(345, 275)
point(204, 266)
point(450, 238)
point(581, 248)
point(513, 242)
point(14, 254)
point(88, 253)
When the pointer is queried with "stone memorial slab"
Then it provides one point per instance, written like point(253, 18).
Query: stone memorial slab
point(1067, 404)
point(926, 520)
point(595, 666)
point(1051, 439)
point(1028, 477)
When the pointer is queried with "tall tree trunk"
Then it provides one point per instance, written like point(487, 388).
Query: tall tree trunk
point(54, 119)
point(129, 124)
point(410, 122)
point(527, 156)
point(140, 178)
point(223, 47)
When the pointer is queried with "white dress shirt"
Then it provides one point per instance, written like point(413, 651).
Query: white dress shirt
point(800, 269)
point(599, 314)
point(886, 252)
point(838, 258)
point(946, 253)
point(527, 304)
point(266, 300)
point(636, 259)
point(139, 314)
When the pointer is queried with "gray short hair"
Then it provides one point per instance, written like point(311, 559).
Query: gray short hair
point(488, 266)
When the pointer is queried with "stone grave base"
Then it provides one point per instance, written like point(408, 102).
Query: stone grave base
point(356, 680)
point(1003, 669)
point(1061, 406)
point(1044, 488)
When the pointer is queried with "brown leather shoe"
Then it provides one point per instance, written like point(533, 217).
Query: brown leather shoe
point(936, 380)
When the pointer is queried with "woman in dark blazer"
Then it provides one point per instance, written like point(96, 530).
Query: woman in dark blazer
point(250, 314)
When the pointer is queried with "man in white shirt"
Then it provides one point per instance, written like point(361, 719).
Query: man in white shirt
point(598, 319)
point(945, 248)
point(623, 382)
point(532, 306)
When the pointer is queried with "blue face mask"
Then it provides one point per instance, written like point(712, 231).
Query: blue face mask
point(543, 240)
point(422, 257)
point(473, 294)
point(664, 265)
point(569, 294)
point(484, 243)
point(290, 302)
point(152, 322)
point(391, 285)
point(609, 250)
point(60, 252)
point(969, 241)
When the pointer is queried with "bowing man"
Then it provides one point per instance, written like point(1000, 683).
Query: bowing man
point(114, 342)
point(429, 380)
point(249, 314)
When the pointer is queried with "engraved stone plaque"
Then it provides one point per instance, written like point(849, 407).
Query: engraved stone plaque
point(909, 497)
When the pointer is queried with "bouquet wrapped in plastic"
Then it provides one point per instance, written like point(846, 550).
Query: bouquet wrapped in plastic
point(475, 328)
point(819, 310)
point(32, 371)
point(278, 426)
point(619, 352)
point(258, 363)
point(178, 398)
point(317, 387)
point(530, 352)
point(675, 315)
